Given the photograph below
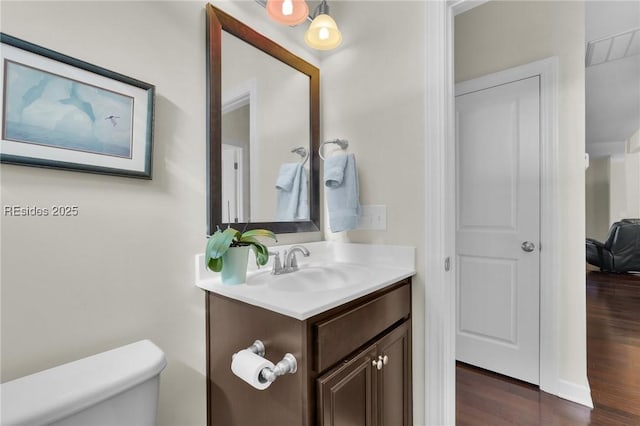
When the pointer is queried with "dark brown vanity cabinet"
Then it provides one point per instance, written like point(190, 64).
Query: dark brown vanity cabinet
point(354, 363)
point(372, 388)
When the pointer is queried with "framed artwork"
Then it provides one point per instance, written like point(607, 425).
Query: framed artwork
point(60, 112)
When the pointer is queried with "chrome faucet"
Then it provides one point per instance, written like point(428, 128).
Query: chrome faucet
point(289, 258)
point(277, 266)
point(290, 261)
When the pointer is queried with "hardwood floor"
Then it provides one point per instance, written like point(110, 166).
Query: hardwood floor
point(613, 368)
point(613, 347)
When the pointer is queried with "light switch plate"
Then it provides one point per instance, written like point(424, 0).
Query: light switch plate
point(373, 217)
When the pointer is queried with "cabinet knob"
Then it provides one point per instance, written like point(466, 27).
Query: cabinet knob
point(377, 364)
point(385, 359)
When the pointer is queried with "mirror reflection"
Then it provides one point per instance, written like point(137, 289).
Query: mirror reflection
point(263, 128)
point(265, 136)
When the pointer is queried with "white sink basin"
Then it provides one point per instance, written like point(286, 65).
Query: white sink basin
point(314, 277)
point(334, 274)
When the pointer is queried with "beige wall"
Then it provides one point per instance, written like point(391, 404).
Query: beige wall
point(632, 172)
point(618, 189)
point(373, 95)
point(613, 189)
point(624, 178)
point(504, 34)
point(122, 270)
point(632, 175)
point(597, 199)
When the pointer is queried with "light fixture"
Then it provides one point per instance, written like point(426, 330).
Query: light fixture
point(323, 33)
point(288, 12)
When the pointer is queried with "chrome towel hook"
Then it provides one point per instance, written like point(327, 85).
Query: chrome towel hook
point(342, 143)
point(302, 152)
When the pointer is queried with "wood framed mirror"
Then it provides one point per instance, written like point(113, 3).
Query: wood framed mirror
point(275, 117)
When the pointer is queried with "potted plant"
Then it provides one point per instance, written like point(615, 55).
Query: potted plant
point(228, 251)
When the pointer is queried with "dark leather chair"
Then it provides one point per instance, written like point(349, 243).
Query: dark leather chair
point(621, 250)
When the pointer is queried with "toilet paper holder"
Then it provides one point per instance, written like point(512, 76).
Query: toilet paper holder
point(288, 363)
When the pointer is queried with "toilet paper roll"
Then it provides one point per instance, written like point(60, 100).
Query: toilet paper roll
point(247, 365)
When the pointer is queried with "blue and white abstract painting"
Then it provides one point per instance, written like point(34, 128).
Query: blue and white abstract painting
point(47, 109)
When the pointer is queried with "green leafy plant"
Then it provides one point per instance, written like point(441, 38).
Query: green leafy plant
point(221, 240)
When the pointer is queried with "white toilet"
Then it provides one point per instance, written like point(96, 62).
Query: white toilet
point(117, 387)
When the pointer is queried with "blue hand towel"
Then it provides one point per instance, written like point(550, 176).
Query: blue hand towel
point(343, 193)
point(286, 176)
point(334, 168)
point(291, 193)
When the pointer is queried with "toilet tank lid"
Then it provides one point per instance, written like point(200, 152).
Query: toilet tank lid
point(61, 391)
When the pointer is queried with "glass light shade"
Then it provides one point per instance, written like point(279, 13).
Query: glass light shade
point(288, 12)
point(323, 33)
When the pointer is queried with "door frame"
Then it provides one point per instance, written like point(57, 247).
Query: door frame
point(440, 326)
point(239, 154)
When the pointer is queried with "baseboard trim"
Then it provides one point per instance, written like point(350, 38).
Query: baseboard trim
point(574, 392)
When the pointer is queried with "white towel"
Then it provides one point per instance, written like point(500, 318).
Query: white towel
point(292, 200)
point(343, 193)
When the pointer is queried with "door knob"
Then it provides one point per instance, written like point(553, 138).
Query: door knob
point(528, 246)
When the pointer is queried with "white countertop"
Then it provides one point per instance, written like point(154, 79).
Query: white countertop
point(385, 265)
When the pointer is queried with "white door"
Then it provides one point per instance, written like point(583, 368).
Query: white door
point(498, 227)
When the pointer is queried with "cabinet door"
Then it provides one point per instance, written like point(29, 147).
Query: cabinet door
point(346, 395)
point(394, 379)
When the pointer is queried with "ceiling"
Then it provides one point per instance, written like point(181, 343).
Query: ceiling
point(612, 87)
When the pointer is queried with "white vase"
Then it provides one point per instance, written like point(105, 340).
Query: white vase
point(234, 265)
